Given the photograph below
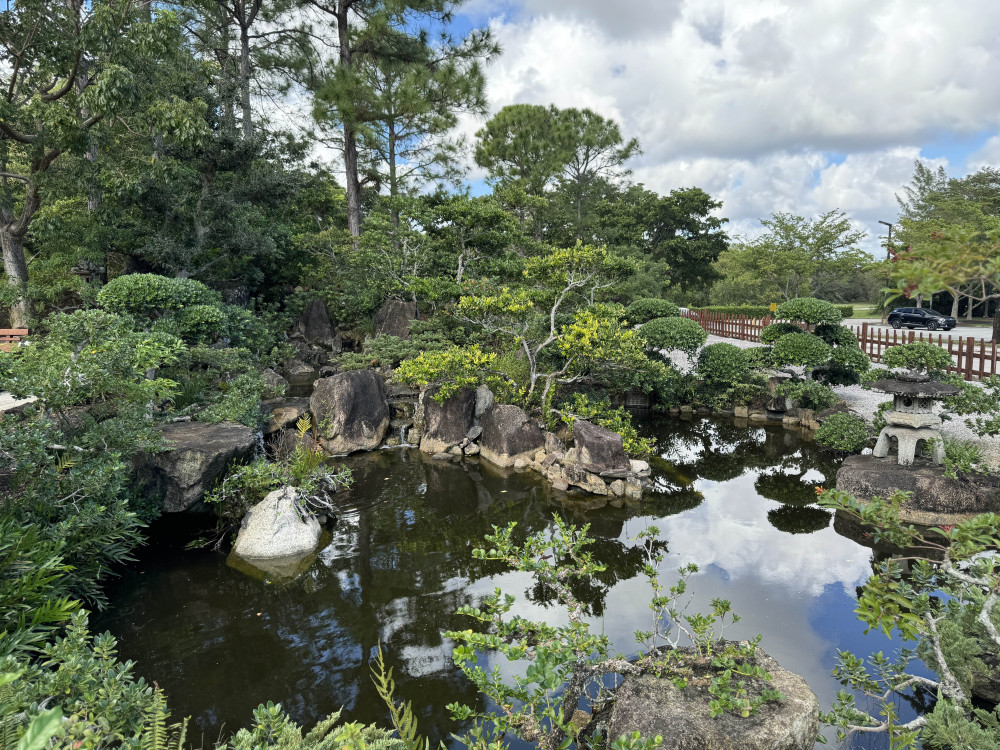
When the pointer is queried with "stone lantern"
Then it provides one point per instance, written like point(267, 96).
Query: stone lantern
point(912, 417)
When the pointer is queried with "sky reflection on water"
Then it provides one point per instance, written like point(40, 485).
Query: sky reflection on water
point(399, 563)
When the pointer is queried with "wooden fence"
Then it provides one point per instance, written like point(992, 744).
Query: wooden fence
point(972, 358)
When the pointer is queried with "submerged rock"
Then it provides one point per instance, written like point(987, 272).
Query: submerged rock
point(197, 454)
point(273, 529)
point(654, 705)
point(350, 411)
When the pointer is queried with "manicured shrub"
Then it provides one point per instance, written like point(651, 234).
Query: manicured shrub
point(151, 295)
point(851, 358)
point(775, 331)
point(844, 432)
point(680, 334)
point(809, 310)
point(759, 357)
point(809, 394)
point(836, 335)
point(928, 357)
point(760, 311)
point(800, 349)
point(646, 309)
point(723, 364)
point(197, 324)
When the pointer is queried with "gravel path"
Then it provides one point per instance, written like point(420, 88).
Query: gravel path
point(863, 403)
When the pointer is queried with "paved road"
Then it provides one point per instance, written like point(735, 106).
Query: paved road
point(979, 332)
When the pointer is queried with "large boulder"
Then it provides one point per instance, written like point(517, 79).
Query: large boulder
point(936, 500)
point(283, 413)
point(394, 317)
point(449, 423)
point(350, 411)
point(315, 327)
point(655, 706)
point(197, 454)
point(508, 435)
point(599, 450)
point(273, 529)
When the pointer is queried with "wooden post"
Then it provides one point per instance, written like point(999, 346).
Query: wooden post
point(970, 351)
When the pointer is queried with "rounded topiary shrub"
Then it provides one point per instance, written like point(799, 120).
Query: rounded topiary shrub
point(851, 358)
point(682, 334)
point(775, 331)
point(809, 310)
point(801, 350)
point(836, 335)
point(759, 357)
point(646, 309)
point(723, 364)
point(844, 432)
point(927, 357)
point(151, 295)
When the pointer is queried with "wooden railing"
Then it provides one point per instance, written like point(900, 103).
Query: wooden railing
point(10, 337)
point(972, 358)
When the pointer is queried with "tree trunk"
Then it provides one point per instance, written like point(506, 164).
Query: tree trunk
point(16, 268)
point(245, 82)
point(954, 305)
point(353, 185)
point(393, 186)
point(996, 324)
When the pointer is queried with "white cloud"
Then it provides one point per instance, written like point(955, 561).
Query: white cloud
point(752, 100)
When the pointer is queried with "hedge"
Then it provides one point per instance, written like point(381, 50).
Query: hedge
point(759, 311)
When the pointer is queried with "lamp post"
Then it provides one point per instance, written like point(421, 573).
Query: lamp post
point(888, 254)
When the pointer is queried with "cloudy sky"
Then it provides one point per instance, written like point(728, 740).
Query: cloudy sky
point(769, 105)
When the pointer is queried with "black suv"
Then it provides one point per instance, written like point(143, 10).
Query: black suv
point(914, 317)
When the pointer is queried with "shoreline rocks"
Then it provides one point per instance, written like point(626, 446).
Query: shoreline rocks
point(273, 529)
point(937, 500)
point(350, 411)
point(655, 706)
point(197, 454)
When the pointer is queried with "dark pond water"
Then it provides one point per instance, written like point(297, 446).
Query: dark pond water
point(736, 500)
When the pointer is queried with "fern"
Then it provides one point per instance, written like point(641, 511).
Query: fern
point(156, 734)
point(401, 713)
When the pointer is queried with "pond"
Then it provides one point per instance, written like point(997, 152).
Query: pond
point(738, 500)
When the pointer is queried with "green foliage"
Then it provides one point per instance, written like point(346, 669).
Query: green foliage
point(944, 601)
point(238, 400)
point(92, 356)
point(979, 403)
point(401, 714)
point(844, 432)
point(449, 370)
point(809, 394)
point(809, 310)
point(759, 357)
point(801, 350)
point(102, 702)
point(272, 727)
point(670, 334)
point(31, 582)
point(836, 335)
point(601, 413)
point(771, 333)
point(389, 351)
point(151, 295)
point(963, 457)
point(760, 311)
point(567, 661)
point(723, 364)
point(646, 309)
point(851, 358)
point(918, 356)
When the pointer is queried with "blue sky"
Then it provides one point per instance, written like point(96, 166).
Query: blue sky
point(770, 105)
